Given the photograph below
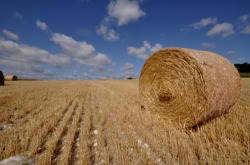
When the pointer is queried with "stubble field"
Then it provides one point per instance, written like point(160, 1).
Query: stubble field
point(101, 122)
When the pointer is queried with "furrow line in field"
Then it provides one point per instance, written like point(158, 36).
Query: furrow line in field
point(51, 130)
point(134, 151)
point(92, 142)
point(70, 140)
point(84, 137)
point(25, 119)
point(143, 144)
point(18, 139)
point(75, 150)
point(44, 125)
point(100, 139)
point(48, 99)
point(59, 144)
point(38, 111)
point(80, 135)
point(25, 109)
point(145, 138)
point(145, 147)
point(52, 144)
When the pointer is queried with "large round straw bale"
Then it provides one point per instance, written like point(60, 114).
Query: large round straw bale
point(187, 86)
point(1, 78)
point(11, 78)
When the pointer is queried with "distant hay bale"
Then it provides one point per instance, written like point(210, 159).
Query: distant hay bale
point(189, 87)
point(1, 78)
point(104, 78)
point(11, 78)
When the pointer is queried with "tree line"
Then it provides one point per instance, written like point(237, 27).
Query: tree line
point(243, 68)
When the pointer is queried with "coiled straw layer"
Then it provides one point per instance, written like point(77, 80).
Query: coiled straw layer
point(188, 86)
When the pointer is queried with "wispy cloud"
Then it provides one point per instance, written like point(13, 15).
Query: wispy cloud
point(204, 22)
point(81, 51)
point(125, 11)
point(128, 70)
point(10, 35)
point(28, 60)
point(245, 24)
point(230, 53)
point(41, 25)
point(241, 59)
point(122, 12)
point(144, 51)
point(17, 15)
point(244, 18)
point(224, 29)
point(208, 45)
point(246, 30)
point(108, 34)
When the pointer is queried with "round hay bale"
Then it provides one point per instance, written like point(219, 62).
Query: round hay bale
point(189, 87)
point(11, 78)
point(104, 78)
point(1, 78)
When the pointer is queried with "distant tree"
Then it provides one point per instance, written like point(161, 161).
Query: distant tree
point(243, 68)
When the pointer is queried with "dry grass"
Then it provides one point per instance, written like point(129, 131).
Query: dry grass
point(101, 122)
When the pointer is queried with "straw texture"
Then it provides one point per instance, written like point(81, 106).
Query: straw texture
point(189, 87)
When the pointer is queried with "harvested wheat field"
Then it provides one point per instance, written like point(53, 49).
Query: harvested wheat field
point(101, 122)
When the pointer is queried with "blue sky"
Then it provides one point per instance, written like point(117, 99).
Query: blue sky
point(89, 39)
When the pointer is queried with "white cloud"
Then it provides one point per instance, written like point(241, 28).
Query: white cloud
point(82, 52)
point(225, 29)
point(246, 30)
point(122, 12)
point(240, 59)
point(28, 60)
point(125, 11)
point(108, 34)
point(128, 70)
point(17, 15)
point(155, 48)
point(78, 49)
point(99, 60)
point(244, 17)
point(144, 51)
point(204, 22)
point(127, 66)
point(29, 54)
point(230, 53)
point(10, 35)
point(41, 25)
point(207, 45)
point(245, 24)
point(26, 70)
